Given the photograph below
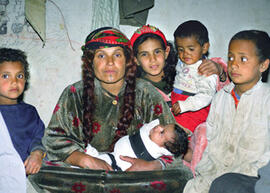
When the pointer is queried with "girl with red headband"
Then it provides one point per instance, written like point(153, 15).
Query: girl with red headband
point(157, 59)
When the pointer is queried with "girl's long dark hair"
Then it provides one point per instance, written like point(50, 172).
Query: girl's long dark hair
point(127, 110)
point(171, 61)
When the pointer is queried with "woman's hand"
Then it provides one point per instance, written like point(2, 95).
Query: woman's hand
point(86, 161)
point(209, 67)
point(141, 165)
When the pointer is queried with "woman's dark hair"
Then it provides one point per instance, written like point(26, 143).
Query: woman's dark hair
point(127, 110)
point(170, 63)
point(261, 41)
point(180, 144)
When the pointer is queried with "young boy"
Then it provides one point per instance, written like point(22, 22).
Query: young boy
point(238, 125)
point(153, 141)
point(192, 92)
point(24, 124)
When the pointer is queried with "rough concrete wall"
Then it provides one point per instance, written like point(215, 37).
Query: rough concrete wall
point(58, 64)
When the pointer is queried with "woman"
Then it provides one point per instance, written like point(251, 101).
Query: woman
point(106, 105)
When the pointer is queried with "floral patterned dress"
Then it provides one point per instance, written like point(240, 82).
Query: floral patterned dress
point(64, 135)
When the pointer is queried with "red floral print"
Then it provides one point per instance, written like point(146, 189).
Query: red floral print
point(49, 163)
point(72, 89)
point(118, 132)
point(158, 109)
point(115, 191)
point(59, 130)
point(158, 185)
point(167, 159)
point(56, 108)
point(139, 125)
point(95, 127)
point(76, 122)
point(78, 188)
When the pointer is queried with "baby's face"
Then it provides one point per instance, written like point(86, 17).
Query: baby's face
point(161, 134)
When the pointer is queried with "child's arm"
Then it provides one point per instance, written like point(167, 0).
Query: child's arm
point(223, 75)
point(206, 90)
point(214, 66)
point(33, 162)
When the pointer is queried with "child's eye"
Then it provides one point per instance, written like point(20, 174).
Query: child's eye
point(230, 58)
point(143, 54)
point(191, 49)
point(157, 51)
point(20, 76)
point(180, 50)
point(5, 76)
point(243, 59)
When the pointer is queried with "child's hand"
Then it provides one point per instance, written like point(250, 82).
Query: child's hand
point(188, 155)
point(209, 67)
point(176, 108)
point(33, 163)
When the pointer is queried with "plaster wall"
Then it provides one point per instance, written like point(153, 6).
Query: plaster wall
point(58, 63)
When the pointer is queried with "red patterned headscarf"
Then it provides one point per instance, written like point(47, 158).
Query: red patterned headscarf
point(146, 29)
point(105, 37)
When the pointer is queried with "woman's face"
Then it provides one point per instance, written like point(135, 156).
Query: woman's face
point(110, 65)
point(151, 56)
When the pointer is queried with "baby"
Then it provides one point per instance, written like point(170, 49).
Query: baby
point(153, 141)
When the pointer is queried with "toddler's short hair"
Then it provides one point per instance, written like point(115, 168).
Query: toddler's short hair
point(192, 28)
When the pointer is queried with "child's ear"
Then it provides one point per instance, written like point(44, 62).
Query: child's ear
point(264, 65)
point(136, 61)
point(167, 51)
point(205, 47)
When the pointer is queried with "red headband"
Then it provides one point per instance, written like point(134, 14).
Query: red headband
point(106, 37)
point(146, 29)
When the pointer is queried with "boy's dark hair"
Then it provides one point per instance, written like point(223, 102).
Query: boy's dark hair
point(14, 55)
point(192, 28)
point(171, 61)
point(180, 144)
point(261, 41)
